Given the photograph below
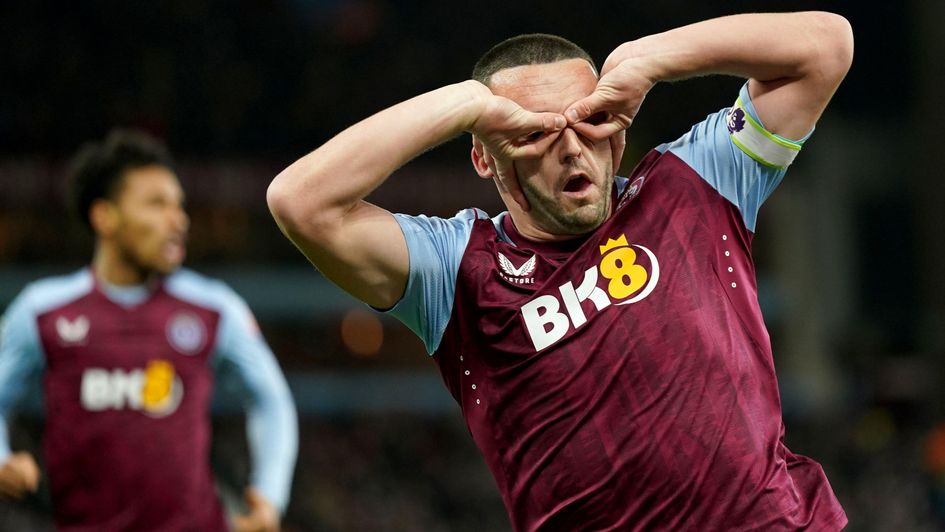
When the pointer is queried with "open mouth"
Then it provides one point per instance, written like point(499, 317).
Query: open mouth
point(577, 184)
point(173, 250)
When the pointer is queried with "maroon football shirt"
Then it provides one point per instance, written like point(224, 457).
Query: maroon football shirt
point(625, 380)
point(629, 384)
point(127, 393)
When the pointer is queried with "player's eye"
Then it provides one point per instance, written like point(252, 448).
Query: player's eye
point(597, 118)
point(533, 137)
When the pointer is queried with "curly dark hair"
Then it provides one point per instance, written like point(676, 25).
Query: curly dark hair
point(528, 49)
point(97, 170)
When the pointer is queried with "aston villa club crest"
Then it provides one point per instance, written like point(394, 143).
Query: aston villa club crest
point(186, 333)
point(523, 274)
point(631, 191)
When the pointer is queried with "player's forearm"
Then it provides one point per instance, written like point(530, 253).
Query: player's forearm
point(765, 47)
point(5, 450)
point(272, 433)
point(271, 418)
point(327, 183)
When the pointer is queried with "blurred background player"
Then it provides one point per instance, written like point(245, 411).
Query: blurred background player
point(128, 349)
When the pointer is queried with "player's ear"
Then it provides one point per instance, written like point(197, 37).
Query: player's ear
point(479, 159)
point(104, 217)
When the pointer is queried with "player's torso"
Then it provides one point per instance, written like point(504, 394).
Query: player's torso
point(127, 393)
point(631, 373)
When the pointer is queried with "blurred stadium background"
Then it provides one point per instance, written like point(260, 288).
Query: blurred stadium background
point(850, 252)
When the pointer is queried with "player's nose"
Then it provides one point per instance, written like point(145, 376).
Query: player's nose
point(569, 145)
point(178, 219)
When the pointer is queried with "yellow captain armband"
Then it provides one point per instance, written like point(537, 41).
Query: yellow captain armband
point(761, 145)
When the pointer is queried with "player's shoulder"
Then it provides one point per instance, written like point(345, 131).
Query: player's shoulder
point(48, 293)
point(444, 233)
point(471, 214)
point(201, 290)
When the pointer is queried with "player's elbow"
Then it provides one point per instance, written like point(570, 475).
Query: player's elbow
point(295, 211)
point(833, 47)
point(279, 200)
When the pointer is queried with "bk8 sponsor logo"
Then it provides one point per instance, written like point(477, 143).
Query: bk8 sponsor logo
point(629, 282)
point(155, 390)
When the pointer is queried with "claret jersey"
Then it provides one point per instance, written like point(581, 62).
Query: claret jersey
point(127, 378)
point(625, 381)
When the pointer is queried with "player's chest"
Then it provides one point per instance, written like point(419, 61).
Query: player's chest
point(661, 252)
point(109, 336)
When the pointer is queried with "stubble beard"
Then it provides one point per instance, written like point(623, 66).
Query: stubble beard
point(548, 214)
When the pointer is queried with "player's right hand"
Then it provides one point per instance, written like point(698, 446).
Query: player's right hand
point(508, 132)
point(19, 475)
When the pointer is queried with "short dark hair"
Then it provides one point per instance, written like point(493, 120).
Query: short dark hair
point(528, 49)
point(97, 170)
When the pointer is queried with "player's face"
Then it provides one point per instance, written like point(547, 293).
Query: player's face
point(152, 227)
point(569, 187)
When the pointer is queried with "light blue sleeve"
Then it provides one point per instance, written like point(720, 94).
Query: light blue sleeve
point(436, 247)
point(733, 152)
point(21, 359)
point(271, 421)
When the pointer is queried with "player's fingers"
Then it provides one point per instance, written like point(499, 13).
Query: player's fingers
point(518, 121)
point(546, 122)
point(31, 480)
point(262, 513)
point(602, 130)
point(618, 142)
point(28, 469)
point(11, 484)
point(251, 522)
point(242, 523)
point(533, 145)
point(587, 107)
point(513, 121)
point(506, 178)
point(490, 162)
point(506, 175)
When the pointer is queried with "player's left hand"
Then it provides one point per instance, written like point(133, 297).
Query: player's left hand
point(615, 101)
point(262, 515)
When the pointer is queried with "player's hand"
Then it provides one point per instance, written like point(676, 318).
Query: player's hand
point(506, 132)
point(615, 101)
point(19, 475)
point(261, 516)
point(618, 142)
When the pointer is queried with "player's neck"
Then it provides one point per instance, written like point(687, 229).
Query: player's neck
point(110, 266)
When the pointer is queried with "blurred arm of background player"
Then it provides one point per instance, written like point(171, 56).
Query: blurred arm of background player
point(271, 419)
point(21, 363)
point(795, 62)
point(317, 201)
